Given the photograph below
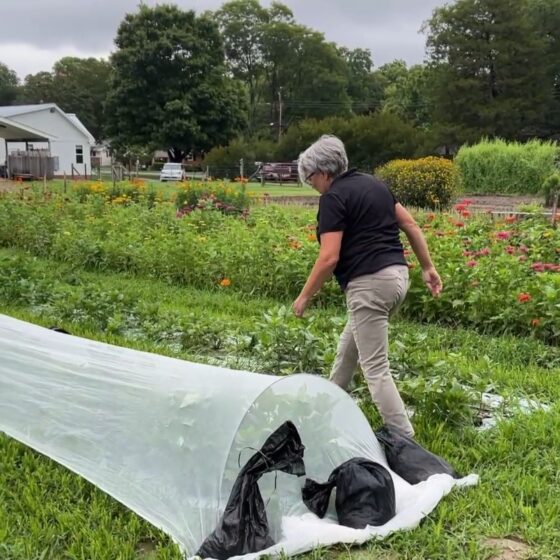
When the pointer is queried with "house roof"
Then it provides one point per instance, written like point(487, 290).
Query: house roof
point(14, 110)
point(12, 130)
point(77, 122)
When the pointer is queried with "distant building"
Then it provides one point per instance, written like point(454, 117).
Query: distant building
point(25, 128)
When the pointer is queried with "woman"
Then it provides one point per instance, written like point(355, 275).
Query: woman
point(358, 231)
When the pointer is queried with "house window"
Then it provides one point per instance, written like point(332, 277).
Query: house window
point(79, 154)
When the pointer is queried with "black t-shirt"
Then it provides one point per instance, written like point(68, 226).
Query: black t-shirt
point(363, 208)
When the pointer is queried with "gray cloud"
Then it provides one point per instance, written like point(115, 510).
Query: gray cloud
point(50, 29)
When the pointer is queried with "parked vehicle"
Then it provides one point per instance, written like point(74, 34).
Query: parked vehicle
point(172, 172)
point(284, 172)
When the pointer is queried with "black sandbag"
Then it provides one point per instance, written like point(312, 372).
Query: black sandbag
point(243, 527)
point(409, 459)
point(365, 494)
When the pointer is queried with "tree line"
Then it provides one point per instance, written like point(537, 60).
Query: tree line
point(188, 82)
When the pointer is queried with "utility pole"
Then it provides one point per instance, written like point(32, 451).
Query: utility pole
point(279, 113)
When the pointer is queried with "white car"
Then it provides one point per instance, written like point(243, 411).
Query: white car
point(172, 172)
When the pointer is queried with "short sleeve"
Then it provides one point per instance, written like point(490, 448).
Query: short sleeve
point(332, 213)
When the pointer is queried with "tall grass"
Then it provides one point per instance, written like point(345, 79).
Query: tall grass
point(500, 167)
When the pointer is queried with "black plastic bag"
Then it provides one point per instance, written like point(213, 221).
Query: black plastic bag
point(409, 459)
point(365, 494)
point(244, 525)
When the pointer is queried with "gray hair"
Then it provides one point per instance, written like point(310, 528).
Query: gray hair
point(326, 155)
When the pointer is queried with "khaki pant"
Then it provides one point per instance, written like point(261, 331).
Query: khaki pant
point(371, 300)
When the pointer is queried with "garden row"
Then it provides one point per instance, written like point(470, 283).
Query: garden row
point(499, 276)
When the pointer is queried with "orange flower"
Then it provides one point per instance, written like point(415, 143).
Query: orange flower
point(535, 322)
point(311, 237)
point(225, 282)
point(524, 297)
point(510, 219)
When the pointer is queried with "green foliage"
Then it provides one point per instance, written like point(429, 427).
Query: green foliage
point(209, 196)
point(498, 277)
point(551, 189)
point(370, 139)
point(280, 61)
point(76, 85)
point(430, 182)
point(223, 161)
point(8, 85)
point(490, 76)
point(169, 86)
point(497, 166)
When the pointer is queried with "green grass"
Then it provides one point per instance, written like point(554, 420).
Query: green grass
point(48, 513)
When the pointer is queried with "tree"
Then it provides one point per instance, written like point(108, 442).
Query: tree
point(169, 87)
point(545, 15)
point(365, 87)
point(488, 69)
point(8, 85)
point(409, 96)
point(287, 68)
point(76, 85)
point(241, 24)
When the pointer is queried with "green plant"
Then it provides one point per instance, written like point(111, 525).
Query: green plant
point(423, 183)
point(551, 189)
point(497, 166)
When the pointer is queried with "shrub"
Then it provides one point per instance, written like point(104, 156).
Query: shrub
point(210, 196)
point(551, 189)
point(497, 166)
point(370, 140)
point(223, 161)
point(423, 183)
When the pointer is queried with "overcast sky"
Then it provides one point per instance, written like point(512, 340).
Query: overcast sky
point(36, 33)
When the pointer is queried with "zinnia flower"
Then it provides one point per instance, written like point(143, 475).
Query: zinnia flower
point(524, 297)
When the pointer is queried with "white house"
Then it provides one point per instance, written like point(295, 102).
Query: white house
point(46, 126)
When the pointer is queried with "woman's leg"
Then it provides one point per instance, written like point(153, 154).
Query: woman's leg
point(346, 359)
point(371, 299)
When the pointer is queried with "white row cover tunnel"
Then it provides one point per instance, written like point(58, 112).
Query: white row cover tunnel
point(167, 437)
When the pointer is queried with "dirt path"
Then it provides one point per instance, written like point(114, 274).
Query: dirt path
point(478, 203)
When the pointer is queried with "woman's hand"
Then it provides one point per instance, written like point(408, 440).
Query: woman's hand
point(432, 280)
point(300, 305)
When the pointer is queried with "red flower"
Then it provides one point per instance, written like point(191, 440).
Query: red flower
point(466, 201)
point(471, 264)
point(461, 207)
point(483, 252)
point(524, 297)
point(538, 267)
point(459, 224)
point(510, 250)
point(503, 235)
point(465, 213)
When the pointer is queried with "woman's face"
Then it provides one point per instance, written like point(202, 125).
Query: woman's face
point(319, 181)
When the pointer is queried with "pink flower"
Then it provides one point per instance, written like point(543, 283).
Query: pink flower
point(503, 235)
point(471, 264)
point(468, 253)
point(510, 250)
point(523, 258)
point(538, 267)
point(483, 252)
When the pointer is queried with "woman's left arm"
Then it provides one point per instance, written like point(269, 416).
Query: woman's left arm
point(322, 269)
